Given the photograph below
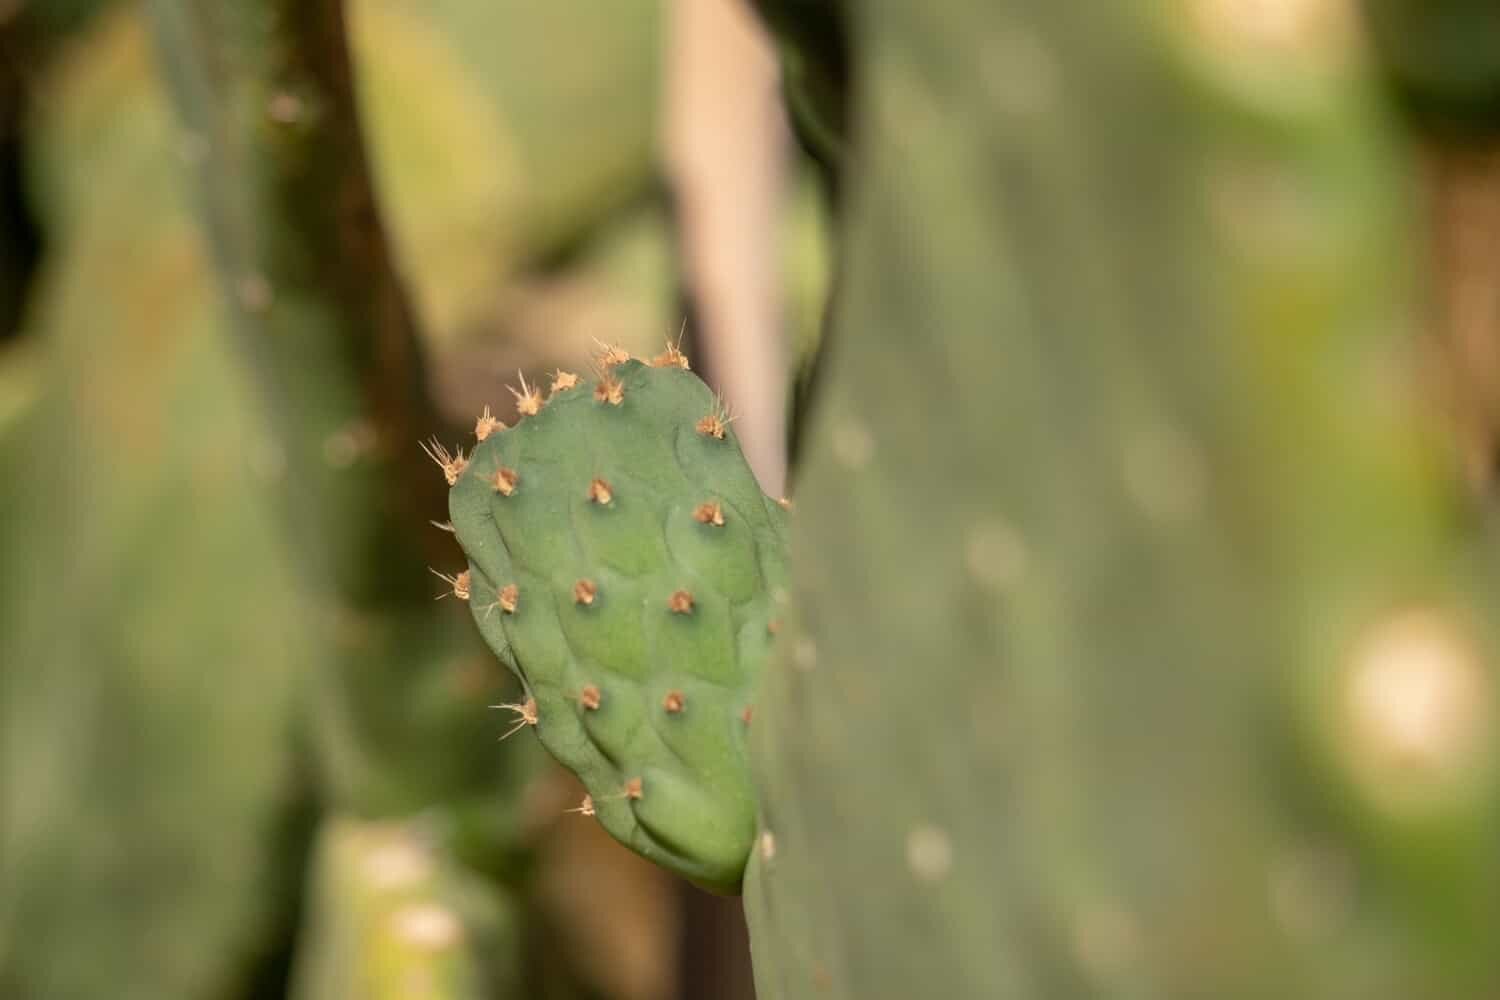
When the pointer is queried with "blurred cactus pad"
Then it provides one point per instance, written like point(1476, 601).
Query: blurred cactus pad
point(164, 739)
point(622, 559)
point(146, 716)
point(500, 133)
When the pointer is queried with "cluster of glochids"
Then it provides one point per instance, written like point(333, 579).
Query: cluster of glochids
point(529, 402)
point(598, 501)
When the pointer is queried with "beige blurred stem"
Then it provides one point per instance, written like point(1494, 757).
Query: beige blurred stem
point(726, 145)
point(1463, 194)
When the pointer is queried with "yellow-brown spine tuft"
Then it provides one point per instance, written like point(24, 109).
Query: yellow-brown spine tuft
point(505, 481)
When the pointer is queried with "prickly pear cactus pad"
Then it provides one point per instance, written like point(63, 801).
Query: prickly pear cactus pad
point(623, 561)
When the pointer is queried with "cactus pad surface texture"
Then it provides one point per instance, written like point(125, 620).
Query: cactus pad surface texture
point(1123, 537)
point(623, 561)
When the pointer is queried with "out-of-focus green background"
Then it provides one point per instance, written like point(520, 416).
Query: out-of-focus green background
point(165, 824)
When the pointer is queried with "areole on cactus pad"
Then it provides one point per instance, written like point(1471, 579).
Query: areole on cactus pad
point(623, 562)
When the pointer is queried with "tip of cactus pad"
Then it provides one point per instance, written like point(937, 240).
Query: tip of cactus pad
point(649, 556)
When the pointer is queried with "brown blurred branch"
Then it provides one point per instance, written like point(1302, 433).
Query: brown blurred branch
point(266, 93)
point(1463, 195)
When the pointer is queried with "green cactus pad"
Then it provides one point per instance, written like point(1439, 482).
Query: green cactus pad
point(622, 560)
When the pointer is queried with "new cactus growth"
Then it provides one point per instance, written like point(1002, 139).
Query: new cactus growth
point(623, 561)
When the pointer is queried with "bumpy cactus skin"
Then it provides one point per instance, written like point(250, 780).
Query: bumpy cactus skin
point(622, 559)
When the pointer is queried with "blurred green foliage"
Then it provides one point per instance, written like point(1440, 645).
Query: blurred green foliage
point(390, 919)
point(152, 647)
point(157, 652)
